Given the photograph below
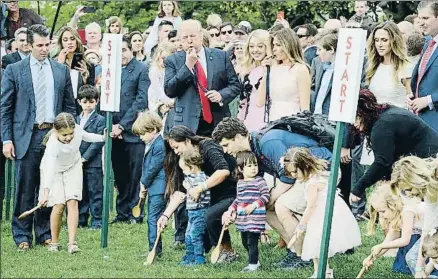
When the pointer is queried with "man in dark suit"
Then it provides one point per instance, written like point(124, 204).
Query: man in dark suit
point(307, 33)
point(34, 91)
point(424, 78)
point(202, 80)
point(23, 49)
point(128, 149)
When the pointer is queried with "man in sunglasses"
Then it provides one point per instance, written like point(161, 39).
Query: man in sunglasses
point(307, 33)
point(226, 30)
point(202, 80)
point(19, 17)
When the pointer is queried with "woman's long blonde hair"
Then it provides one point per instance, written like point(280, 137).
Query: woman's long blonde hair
point(304, 161)
point(260, 36)
point(79, 45)
point(416, 175)
point(163, 47)
point(290, 44)
point(399, 56)
point(176, 12)
point(394, 203)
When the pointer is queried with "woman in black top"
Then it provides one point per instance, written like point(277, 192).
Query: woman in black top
point(391, 133)
point(221, 184)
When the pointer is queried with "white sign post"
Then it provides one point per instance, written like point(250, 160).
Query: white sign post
point(109, 102)
point(347, 77)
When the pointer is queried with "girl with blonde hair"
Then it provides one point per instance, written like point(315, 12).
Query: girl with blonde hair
point(158, 101)
point(389, 70)
point(310, 173)
point(402, 221)
point(257, 48)
point(415, 177)
point(114, 25)
point(430, 250)
point(167, 10)
point(290, 78)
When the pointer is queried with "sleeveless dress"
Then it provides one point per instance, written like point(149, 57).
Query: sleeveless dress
point(285, 99)
point(345, 233)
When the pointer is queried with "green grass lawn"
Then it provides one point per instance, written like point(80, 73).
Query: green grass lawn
point(127, 245)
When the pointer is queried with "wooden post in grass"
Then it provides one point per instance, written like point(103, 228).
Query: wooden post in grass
point(109, 102)
point(347, 77)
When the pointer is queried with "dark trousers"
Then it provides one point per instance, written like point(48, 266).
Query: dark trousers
point(250, 241)
point(195, 232)
point(127, 161)
point(2, 182)
point(92, 197)
point(156, 207)
point(358, 208)
point(213, 217)
point(345, 183)
point(181, 220)
point(27, 184)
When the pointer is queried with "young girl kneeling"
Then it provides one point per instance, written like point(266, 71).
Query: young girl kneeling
point(61, 176)
point(430, 251)
point(249, 208)
point(299, 163)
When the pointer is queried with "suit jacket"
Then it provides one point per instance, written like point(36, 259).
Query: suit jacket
point(153, 176)
point(133, 97)
point(310, 54)
point(18, 108)
point(179, 83)
point(92, 152)
point(428, 86)
point(11, 58)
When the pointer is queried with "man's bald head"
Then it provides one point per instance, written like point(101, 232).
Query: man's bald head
point(333, 24)
point(406, 29)
point(190, 32)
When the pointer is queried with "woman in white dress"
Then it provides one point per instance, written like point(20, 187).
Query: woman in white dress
point(290, 79)
point(415, 177)
point(167, 10)
point(309, 171)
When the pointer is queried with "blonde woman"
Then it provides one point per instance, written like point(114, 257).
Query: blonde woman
point(167, 10)
point(158, 101)
point(389, 70)
point(69, 43)
point(290, 78)
point(257, 48)
point(417, 178)
point(114, 25)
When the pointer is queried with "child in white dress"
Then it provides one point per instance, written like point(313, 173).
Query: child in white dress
point(430, 251)
point(61, 176)
point(300, 164)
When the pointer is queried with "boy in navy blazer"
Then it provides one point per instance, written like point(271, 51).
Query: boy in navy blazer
point(153, 181)
point(92, 122)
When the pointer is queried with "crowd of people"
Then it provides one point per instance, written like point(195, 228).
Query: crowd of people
point(194, 137)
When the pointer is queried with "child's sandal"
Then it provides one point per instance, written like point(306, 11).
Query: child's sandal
point(73, 248)
point(264, 238)
point(53, 247)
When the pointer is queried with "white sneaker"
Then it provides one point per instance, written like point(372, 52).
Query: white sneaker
point(251, 268)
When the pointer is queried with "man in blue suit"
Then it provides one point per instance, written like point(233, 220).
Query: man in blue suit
point(424, 82)
point(128, 149)
point(202, 80)
point(34, 91)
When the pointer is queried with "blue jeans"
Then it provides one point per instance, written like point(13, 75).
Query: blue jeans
point(195, 232)
point(358, 208)
point(156, 206)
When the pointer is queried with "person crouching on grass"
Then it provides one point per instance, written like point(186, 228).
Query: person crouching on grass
point(61, 176)
point(148, 126)
point(248, 210)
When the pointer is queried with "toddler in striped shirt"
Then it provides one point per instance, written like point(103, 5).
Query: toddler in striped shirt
point(248, 210)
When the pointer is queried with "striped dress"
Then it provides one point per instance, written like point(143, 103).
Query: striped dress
point(255, 192)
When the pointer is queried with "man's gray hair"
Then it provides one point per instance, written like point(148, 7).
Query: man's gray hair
point(93, 25)
point(21, 30)
point(191, 22)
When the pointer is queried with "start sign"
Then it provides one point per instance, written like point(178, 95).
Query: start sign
point(347, 74)
point(111, 51)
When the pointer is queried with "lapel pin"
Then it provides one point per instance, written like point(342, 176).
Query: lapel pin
point(211, 58)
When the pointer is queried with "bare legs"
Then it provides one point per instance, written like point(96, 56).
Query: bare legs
point(72, 220)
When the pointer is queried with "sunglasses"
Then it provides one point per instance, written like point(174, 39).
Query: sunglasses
point(225, 32)
point(302, 36)
point(215, 34)
point(238, 48)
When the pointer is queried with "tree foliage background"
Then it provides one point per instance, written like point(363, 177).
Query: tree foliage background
point(138, 15)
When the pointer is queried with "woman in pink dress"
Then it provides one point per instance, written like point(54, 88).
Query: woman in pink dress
point(290, 78)
point(258, 47)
